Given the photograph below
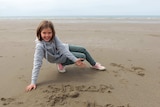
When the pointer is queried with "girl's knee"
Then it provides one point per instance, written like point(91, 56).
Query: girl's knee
point(83, 56)
point(83, 49)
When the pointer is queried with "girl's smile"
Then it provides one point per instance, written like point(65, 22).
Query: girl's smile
point(46, 34)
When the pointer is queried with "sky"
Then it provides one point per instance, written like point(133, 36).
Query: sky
point(78, 7)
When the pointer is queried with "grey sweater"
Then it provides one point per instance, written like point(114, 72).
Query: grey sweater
point(54, 52)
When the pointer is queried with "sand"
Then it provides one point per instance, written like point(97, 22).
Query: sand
point(129, 51)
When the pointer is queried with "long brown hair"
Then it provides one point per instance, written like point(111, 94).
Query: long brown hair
point(45, 24)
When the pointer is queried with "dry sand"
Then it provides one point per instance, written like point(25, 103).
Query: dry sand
point(130, 52)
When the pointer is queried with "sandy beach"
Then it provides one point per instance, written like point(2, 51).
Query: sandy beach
point(129, 51)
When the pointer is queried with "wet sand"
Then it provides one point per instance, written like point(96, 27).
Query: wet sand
point(130, 52)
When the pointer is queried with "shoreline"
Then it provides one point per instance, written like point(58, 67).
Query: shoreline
point(89, 19)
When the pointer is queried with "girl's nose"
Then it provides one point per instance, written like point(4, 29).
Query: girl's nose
point(47, 34)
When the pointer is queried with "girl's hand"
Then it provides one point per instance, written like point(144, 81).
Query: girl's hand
point(30, 87)
point(80, 63)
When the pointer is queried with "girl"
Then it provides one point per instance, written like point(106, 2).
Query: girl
point(49, 46)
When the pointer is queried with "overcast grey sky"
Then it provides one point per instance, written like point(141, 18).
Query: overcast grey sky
point(78, 7)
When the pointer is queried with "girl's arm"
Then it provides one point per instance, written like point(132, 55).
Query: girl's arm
point(37, 63)
point(62, 49)
point(38, 57)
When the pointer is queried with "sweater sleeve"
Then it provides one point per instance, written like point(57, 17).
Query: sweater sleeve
point(37, 63)
point(63, 50)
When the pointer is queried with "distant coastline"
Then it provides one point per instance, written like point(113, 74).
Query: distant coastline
point(85, 17)
point(101, 19)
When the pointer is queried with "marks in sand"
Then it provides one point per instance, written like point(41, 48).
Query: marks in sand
point(69, 95)
point(58, 95)
point(134, 69)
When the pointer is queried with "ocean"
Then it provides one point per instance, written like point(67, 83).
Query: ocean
point(89, 19)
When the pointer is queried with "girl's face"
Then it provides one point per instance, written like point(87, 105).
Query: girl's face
point(46, 34)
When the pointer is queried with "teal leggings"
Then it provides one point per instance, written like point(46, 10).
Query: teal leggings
point(79, 52)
